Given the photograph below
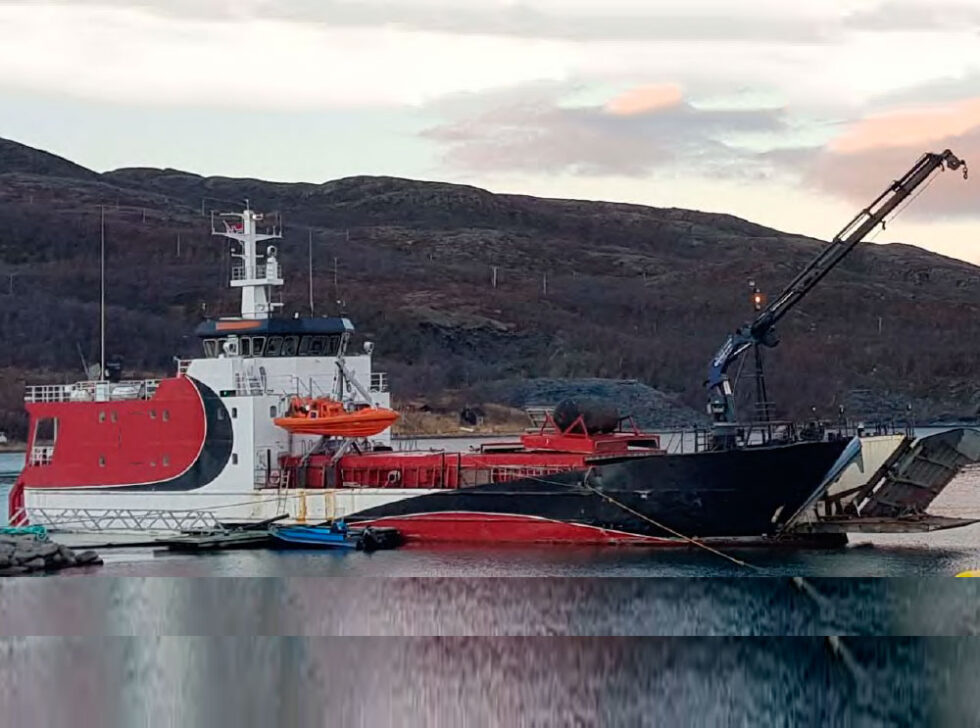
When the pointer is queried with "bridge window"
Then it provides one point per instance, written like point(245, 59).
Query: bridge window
point(304, 345)
point(273, 346)
point(289, 345)
point(245, 346)
point(258, 345)
point(316, 346)
point(334, 346)
point(211, 348)
point(45, 435)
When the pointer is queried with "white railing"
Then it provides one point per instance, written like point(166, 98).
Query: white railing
point(182, 366)
point(379, 382)
point(247, 385)
point(48, 393)
point(95, 391)
point(41, 455)
point(124, 519)
point(239, 273)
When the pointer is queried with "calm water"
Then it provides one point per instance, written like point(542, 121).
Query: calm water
point(432, 636)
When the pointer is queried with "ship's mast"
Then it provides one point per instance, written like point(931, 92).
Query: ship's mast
point(255, 278)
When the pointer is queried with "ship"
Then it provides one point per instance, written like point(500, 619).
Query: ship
point(220, 443)
point(285, 418)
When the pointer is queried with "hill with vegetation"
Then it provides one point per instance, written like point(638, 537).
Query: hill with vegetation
point(583, 289)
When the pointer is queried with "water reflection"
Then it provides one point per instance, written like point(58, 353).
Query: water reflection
point(486, 681)
point(490, 606)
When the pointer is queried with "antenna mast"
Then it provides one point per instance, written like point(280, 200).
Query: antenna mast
point(102, 293)
point(255, 279)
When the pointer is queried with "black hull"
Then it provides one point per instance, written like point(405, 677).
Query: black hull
point(738, 494)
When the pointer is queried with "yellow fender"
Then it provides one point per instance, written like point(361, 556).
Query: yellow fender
point(974, 572)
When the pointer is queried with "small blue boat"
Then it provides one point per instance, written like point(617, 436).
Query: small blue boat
point(335, 535)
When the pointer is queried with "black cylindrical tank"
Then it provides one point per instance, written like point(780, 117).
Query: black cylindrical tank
point(599, 417)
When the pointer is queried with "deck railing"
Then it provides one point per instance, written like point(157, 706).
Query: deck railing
point(238, 273)
point(41, 455)
point(93, 391)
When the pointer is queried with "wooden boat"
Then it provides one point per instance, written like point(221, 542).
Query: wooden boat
point(327, 417)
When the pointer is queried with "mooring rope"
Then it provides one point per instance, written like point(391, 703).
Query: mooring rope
point(835, 642)
point(668, 529)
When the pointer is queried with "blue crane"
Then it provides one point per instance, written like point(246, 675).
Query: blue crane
point(761, 330)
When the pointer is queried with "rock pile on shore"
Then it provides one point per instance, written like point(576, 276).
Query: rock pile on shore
point(25, 554)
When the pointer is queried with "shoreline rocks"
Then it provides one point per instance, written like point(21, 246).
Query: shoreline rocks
point(25, 554)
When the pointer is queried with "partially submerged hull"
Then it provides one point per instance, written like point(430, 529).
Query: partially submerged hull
point(729, 495)
point(658, 499)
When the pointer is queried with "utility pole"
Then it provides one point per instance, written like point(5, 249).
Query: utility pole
point(493, 276)
point(310, 253)
point(761, 396)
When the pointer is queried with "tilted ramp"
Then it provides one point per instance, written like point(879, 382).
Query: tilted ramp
point(896, 497)
point(918, 473)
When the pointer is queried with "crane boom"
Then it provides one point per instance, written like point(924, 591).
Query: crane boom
point(761, 329)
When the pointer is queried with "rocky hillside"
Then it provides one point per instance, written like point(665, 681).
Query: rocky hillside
point(584, 289)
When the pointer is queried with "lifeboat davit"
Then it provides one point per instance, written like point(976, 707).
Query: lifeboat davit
point(327, 417)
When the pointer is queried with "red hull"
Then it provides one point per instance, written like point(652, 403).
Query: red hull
point(121, 442)
point(491, 528)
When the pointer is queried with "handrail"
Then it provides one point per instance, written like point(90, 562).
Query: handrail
point(89, 391)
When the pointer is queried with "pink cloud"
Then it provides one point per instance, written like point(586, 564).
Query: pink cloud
point(861, 174)
point(644, 99)
point(909, 128)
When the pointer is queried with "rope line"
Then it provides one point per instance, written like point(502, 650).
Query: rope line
point(668, 529)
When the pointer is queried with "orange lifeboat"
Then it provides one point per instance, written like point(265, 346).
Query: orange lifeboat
point(327, 417)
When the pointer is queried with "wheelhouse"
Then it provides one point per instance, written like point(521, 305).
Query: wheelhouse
point(275, 337)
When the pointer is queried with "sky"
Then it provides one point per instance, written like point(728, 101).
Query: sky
point(790, 114)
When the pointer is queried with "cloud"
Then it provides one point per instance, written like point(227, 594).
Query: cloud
point(859, 163)
point(582, 20)
point(910, 128)
point(648, 127)
point(644, 99)
point(916, 15)
point(132, 56)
